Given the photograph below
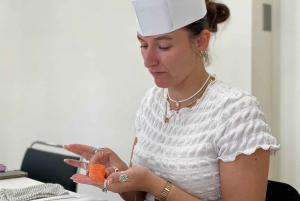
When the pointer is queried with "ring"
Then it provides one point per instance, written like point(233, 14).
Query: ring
point(95, 151)
point(123, 177)
point(85, 165)
point(116, 169)
point(104, 189)
point(100, 149)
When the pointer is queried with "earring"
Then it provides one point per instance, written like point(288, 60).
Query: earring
point(202, 52)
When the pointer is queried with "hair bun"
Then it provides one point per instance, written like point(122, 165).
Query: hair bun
point(216, 13)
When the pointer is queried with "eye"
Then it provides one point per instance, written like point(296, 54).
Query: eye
point(164, 48)
point(143, 46)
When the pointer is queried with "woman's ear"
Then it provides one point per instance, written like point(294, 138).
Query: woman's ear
point(202, 41)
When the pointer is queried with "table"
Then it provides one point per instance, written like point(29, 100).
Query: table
point(21, 182)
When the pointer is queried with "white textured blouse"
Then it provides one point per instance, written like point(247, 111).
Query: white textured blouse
point(224, 123)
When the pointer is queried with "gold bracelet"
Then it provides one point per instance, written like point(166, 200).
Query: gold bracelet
point(164, 194)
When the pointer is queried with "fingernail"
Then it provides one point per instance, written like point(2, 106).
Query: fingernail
point(66, 146)
point(64, 160)
point(110, 181)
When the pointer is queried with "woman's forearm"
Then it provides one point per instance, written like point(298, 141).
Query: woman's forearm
point(157, 186)
point(177, 194)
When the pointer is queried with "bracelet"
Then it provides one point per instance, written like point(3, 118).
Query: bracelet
point(164, 194)
point(104, 189)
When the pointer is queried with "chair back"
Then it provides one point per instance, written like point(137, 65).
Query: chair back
point(278, 191)
point(49, 167)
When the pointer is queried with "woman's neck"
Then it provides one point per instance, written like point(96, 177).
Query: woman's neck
point(189, 86)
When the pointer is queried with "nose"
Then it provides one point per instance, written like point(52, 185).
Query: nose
point(150, 58)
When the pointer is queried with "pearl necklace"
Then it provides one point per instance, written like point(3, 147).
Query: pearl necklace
point(178, 102)
point(167, 119)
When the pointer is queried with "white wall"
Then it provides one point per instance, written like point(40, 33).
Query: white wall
point(70, 72)
point(262, 71)
point(297, 94)
point(231, 47)
point(287, 87)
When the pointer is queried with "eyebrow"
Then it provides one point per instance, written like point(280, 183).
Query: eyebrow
point(159, 38)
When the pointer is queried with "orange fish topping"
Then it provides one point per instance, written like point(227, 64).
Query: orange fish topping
point(97, 172)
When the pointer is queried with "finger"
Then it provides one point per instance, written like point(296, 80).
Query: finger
point(111, 170)
point(84, 179)
point(79, 149)
point(100, 157)
point(82, 150)
point(116, 177)
point(75, 163)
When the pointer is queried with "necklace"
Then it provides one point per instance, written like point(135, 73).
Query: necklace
point(188, 105)
point(167, 119)
point(178, 102)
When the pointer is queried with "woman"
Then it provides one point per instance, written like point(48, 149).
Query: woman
point(196, 137)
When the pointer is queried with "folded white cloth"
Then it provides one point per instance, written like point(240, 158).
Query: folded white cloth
point(32, 192)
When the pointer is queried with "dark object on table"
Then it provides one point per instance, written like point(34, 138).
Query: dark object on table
point(2, 168)
point(49, 167)
point(278, 191)
point(12, 174)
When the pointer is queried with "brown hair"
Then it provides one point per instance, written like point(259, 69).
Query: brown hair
point(216, 14)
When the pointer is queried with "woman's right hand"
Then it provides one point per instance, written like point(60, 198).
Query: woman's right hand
point(107, 157)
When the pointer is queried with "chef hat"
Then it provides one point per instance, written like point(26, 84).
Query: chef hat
point(163, 16)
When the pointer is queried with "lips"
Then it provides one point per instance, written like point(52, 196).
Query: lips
point(156, 74)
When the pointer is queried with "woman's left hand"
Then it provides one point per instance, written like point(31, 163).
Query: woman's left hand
point(107, 157)
point(139, 179)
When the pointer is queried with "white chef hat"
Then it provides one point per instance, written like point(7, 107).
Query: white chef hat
point(163, 16)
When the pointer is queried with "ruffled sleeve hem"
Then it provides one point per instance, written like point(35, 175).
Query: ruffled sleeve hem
point(273, 149)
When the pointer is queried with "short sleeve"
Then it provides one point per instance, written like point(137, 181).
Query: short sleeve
point(244, 130)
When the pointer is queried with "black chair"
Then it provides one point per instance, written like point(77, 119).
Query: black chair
point(278, 191)
point(49, 167)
